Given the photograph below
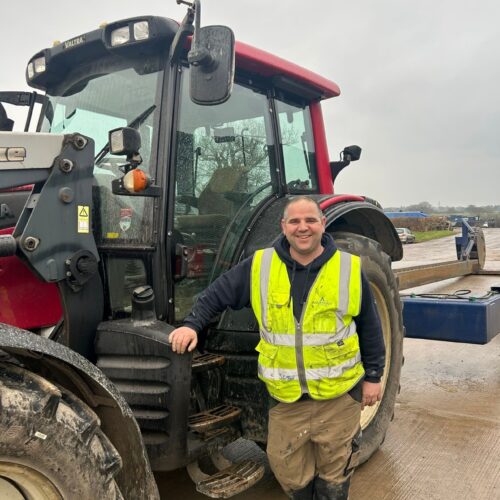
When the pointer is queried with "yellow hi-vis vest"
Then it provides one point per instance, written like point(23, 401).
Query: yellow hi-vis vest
point(318, 355)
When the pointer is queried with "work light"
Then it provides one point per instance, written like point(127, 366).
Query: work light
point(141, 30)
point(120, 36)
point(39, 65)
point(36, 66)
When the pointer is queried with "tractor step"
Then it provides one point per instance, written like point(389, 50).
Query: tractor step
point(213, 418)
point(231, 481)
point(206, 361)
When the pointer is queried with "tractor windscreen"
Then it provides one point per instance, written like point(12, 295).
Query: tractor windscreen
point(102, 98)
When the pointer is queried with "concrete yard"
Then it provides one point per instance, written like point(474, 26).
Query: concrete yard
point(444, 442)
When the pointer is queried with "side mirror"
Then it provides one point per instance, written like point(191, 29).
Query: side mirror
point(350, 153)
point(212, 65)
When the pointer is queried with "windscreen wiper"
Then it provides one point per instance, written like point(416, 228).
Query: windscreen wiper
point(135, 123)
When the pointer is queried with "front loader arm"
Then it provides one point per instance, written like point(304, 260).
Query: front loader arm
point(55, 223)
point(54, 232)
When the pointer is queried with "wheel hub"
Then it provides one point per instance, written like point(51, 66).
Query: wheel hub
point(369, 412)
point(20, 482)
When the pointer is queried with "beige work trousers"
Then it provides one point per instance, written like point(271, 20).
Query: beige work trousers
point(313, 438)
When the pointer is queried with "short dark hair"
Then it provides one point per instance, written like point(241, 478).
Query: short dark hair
point(303, 197)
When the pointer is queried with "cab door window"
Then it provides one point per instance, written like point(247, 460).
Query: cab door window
point(224, 165)
point(297, 146)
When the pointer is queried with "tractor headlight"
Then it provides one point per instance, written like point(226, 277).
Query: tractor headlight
point(120, 36)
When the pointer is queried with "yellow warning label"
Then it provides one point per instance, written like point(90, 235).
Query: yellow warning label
point(83, 219)
point(83, 211)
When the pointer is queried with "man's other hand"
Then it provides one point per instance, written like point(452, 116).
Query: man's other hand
point(372, 392)
point(183, 338)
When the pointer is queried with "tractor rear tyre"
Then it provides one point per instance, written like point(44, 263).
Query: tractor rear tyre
point(376, 266)
point(51, 445)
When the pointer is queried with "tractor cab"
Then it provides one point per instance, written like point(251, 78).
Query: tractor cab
point(213, 164)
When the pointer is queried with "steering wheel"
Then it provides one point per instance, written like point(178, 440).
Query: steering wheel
point(298, 184)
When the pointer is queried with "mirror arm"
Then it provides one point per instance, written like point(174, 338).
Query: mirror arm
point(199, 55)
point(337, 166)
point(185, 29)
point(350, 153)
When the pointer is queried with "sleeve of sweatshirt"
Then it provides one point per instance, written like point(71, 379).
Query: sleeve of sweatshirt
point(371, 340)
point(231, 289)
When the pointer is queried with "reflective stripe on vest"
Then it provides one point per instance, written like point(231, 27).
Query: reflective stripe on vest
point(319, 354)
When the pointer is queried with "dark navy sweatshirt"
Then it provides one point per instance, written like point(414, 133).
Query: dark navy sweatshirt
point(232, 289)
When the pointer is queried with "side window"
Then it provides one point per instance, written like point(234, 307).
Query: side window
point(224, 168)
point(297, 146)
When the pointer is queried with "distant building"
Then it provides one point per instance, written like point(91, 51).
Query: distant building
point(397, 215)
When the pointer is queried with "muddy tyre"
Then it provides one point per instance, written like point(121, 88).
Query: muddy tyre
point(51, 445)
point(377, 267)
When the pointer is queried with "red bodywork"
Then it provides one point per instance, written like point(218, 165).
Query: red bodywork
point(268, 65)
point(26, 301)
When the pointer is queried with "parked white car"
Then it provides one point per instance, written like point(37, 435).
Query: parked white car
point(405, 235)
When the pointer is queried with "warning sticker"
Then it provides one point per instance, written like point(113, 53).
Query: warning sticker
point(83, 219)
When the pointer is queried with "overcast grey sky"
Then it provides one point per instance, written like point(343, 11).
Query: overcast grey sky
point(418, 79)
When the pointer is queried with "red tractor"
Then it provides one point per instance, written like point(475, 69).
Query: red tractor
point(164, 154)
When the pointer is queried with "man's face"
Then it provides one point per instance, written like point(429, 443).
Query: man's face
point(303, 227)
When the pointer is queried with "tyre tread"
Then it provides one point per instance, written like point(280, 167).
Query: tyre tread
point(35, 406)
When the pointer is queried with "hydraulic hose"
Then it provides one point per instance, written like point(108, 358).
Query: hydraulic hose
point(8, 245)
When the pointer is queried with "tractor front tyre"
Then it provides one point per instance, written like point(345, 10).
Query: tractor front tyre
point(51, 445)
point(376, 266)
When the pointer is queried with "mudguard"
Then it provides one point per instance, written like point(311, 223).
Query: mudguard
point(365, 218)
point(65, 367)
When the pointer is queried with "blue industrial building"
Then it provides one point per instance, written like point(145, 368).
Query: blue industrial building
point(415, 215)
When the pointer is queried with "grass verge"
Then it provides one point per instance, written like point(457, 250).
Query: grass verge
point(431, 235)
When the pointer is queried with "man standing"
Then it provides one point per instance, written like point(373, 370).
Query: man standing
point(321, 353)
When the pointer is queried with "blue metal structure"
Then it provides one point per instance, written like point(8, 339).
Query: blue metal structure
point(472, 320)
point(458, 317)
